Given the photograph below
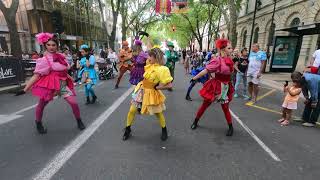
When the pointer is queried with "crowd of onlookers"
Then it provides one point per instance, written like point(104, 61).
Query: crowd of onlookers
point(248, 69)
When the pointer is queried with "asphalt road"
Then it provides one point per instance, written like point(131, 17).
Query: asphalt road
point(260, 148)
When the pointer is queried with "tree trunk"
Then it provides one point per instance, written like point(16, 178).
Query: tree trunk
point(10, 17)
point(14, 38)
point(124, 30)
point(104, 26)
point(114, 31)
point(232, 31)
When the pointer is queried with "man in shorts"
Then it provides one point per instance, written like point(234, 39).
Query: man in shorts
point(257, 60)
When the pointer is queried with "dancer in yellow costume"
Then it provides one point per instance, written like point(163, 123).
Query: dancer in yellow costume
point(147, 97)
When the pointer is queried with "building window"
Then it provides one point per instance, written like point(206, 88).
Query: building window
point(256, 35)
point(244, 40)
point(294, 23)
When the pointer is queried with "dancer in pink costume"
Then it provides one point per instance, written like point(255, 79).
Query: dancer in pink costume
point(51, 79)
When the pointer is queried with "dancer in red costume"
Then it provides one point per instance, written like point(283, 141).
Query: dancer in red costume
point(218, 89)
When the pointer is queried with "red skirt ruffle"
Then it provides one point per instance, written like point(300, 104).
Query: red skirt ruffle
point(212, 88)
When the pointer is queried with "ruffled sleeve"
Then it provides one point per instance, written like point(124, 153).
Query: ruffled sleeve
point(42, 66)
point(164, 75)
point(92, 60)
point(213, 66)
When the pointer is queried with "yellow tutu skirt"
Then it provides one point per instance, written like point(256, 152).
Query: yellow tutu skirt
point(152, 99)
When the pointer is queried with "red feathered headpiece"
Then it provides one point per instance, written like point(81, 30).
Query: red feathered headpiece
point(221, 43)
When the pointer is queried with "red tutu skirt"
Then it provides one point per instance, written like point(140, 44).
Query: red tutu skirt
point(212, 89)
point(50, 85)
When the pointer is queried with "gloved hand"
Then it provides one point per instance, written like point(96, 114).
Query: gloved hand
point(193, 81)
point(20, 92)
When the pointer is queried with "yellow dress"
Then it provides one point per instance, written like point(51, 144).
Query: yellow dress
point(152, 99)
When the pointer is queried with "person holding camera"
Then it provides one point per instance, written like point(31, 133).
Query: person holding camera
point(291, 99)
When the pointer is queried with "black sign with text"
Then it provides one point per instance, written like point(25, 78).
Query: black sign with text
point(10, 71)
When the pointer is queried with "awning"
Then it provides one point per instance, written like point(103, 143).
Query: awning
point(308, 29)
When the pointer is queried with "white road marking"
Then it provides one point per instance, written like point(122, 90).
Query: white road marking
point(63, 156)
point(251, 133)
point(25, 109)
point(7, 118)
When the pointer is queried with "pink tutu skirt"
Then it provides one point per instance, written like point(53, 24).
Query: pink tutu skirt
point(55, 83)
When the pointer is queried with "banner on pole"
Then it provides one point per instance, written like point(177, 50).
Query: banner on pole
point(179, 6)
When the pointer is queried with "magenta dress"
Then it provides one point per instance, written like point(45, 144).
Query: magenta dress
point(54, 79)
point(136, 74)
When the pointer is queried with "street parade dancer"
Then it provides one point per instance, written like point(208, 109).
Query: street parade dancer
point(218, 89)
point(171, 57)
point(139, 61)
point(50, 79)
point(125, 58)
point(147, 96)
point(88, 74)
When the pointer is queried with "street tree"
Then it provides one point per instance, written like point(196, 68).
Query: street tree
point(9, 13)
point(133, 12)
point(115, 8)
point(194, 24)
point(230, 10)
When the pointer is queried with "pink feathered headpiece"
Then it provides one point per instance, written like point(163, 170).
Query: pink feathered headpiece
point(43, 37)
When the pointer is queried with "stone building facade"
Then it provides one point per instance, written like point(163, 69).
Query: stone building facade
point(288, 13)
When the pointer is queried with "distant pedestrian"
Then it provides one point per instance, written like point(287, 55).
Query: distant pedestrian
point(257, 60)
point(241, 67)
point(315, 62)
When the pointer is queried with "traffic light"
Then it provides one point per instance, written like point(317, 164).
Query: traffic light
point(173, 28)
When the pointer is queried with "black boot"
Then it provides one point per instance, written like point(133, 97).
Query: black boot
point(94, 98)
point(127, 133)
point(81, 126)
point(195, 124)
point(164, 135)
point(188, 98)
point(40, 128)
point(230, 130)
point(88, 100)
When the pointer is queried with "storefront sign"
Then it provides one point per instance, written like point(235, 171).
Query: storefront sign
point(285, 52)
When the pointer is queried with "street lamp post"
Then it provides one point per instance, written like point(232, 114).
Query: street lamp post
point(253, 21)
point(272, 27)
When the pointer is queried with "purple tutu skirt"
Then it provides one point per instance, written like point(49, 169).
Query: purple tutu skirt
point(136, 74)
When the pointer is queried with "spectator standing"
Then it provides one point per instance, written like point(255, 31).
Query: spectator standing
point(241, 67)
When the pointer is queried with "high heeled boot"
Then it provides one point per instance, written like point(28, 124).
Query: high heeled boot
point(127, 133)
point(230, 130)
point(40, 128)
point(80, 124)
point(195, 124)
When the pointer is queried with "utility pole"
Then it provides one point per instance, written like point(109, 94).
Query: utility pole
point(272, 27)
point(253, 22)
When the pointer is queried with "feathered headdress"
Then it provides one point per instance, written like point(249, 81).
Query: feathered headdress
point(221, 43)
point(44, 37)
point(138, 42)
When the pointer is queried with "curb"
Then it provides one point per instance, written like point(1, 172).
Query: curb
point(11, 89)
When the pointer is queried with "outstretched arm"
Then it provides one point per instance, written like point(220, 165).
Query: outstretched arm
point(202, 73)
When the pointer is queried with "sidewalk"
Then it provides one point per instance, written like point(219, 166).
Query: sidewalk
point(276, 81)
